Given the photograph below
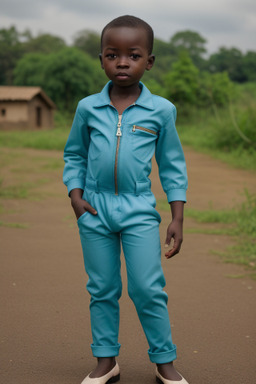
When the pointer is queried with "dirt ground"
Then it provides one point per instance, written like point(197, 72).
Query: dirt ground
point(45, 326)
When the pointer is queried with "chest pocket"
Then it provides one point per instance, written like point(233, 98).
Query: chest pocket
point(139, 129)
point(143, 142)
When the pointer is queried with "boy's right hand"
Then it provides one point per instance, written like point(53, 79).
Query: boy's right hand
point(79, 205)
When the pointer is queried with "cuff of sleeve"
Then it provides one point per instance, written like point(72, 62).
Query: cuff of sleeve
point(75, 183)
point(176, 195)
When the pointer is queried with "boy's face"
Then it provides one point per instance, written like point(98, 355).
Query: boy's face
point(125, 55)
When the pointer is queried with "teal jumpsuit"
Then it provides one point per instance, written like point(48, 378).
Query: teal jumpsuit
point(109, 157)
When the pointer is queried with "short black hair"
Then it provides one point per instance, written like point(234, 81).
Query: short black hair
point(131, 22)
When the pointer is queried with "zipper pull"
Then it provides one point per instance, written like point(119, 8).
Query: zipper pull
point(134, 128)
point(119, 132)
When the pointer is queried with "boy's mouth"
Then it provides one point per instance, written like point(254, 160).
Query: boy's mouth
point(122, 75)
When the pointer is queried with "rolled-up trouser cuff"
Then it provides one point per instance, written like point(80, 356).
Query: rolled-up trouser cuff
point(164, 357)
point(105, 351)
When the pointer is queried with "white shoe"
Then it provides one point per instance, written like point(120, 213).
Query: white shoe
point(161, 380)
point(111, 377)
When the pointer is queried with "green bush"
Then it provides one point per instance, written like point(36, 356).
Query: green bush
point(238, 129)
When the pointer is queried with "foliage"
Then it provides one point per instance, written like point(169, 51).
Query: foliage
point(44, 43)
point(240, 67)
point(192, 43)
point(162, 49)
point(249, 64)
point(240, 132)
point(88, 41)
point(14, 45)
point(11, 50)
point(67, 75)
point(186, 86)
point(214, 90)
point(155, 87)
point(30, 70)
point(181, 82)
point(162, 66)
point(227, 133)
point(229, 60)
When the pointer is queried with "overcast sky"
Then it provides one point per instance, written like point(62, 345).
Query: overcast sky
point(229, 23)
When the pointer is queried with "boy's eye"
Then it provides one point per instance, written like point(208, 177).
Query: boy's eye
point(111, 55)
point(135, 56)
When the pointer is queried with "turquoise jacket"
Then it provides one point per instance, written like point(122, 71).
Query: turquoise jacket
point(113, 153)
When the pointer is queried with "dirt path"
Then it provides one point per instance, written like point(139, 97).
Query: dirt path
point(45, 332)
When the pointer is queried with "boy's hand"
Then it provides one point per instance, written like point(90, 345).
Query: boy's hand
point(79, 205)
point(175, 229)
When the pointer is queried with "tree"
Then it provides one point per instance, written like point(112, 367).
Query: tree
point(191, 42)
point(249, 66)
point(66, 76)
point(182, 81)
point(162, 48)
point(44, 43)
point(164, 59)
point(214, 90)
point(229, 60)
point(88, 41)
point(11, 51)
point(30, 70)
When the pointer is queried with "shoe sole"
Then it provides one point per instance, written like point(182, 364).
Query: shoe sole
point(114, 379)
point(158, 380)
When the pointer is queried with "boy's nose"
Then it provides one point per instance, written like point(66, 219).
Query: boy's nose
point(123, 62)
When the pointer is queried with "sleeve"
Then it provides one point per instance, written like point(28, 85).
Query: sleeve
point(76, 153)
point(171, 161)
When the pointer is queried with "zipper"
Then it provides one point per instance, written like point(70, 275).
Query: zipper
point(119, 135)
point(143, 129)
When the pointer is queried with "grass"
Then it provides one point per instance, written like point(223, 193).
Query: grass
point(49, 139)
point(240, 223)
point(45, 139)
point(202, 134)
point(22, 177)
point(14, 192)
point(227, 134)
point(14, 225)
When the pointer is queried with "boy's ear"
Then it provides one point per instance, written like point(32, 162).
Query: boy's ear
point(151, 60)
point(101, 63)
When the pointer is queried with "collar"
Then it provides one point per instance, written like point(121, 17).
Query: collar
point(145, 99)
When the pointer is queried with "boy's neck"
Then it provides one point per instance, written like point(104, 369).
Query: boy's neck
point(123, 97)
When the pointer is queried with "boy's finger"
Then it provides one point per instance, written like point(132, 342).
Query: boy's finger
point(90, 209)
point(168, 239)
point(175, 249)
point(172, 252)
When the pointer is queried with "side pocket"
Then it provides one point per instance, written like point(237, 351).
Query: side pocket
point(88, 195)
point(80, 218)
point(150, 200)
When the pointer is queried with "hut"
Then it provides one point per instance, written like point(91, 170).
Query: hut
point(25, 108)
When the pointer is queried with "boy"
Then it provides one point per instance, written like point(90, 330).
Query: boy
point(108, 160)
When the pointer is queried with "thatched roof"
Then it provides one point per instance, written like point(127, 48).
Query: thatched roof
point(13, 93)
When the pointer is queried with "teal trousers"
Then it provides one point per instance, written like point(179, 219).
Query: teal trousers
point(130, 220)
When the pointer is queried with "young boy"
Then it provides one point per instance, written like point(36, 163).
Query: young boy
point(108, 160)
